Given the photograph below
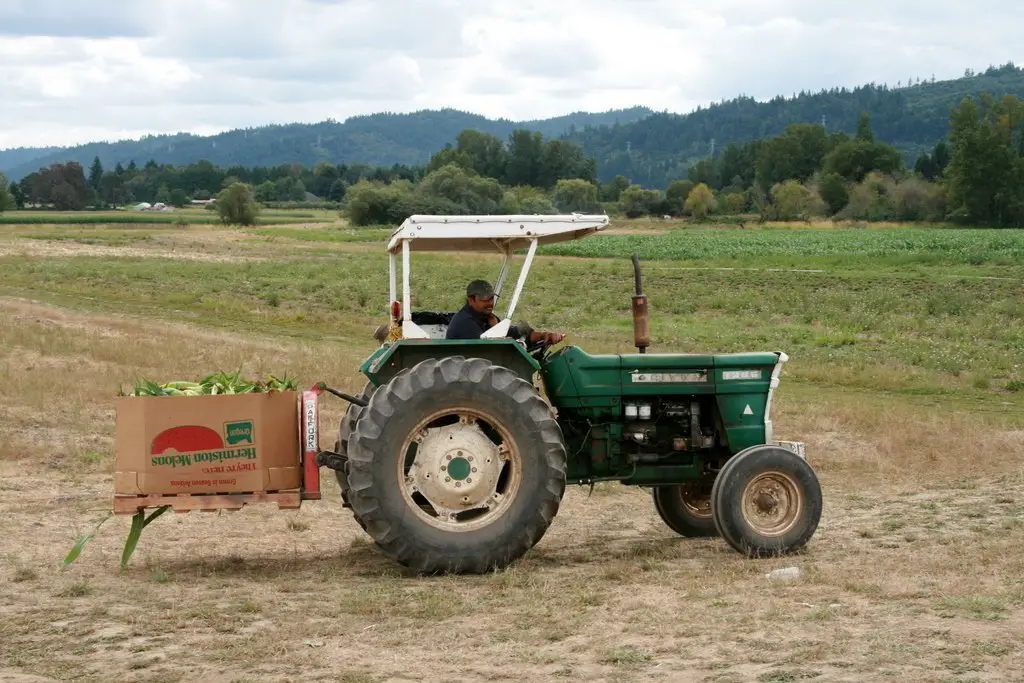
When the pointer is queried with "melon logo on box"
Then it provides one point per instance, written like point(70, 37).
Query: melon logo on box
point(238, 432)
point(187, 445)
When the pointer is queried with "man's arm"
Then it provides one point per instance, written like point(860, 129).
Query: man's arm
point(523, 330)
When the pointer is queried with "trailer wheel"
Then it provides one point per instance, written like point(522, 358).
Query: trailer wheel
point(766, 501)
point(456, 465)
point(686, 509)
point(348, 423)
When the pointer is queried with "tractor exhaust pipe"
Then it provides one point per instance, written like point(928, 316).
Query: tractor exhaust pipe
point(641, 317)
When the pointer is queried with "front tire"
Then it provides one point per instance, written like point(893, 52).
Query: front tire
point(766, 501)
point(456, 465)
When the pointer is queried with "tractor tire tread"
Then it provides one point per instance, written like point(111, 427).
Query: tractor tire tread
point(345, 428)
point(394, 534)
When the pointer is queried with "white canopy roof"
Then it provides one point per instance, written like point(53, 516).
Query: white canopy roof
point(491, 233)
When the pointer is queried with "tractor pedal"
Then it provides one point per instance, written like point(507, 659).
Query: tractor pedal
point(331, 460)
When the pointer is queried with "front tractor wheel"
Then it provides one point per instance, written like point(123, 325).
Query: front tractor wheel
point(766, 501)
point(456, 465)
point(686, 509)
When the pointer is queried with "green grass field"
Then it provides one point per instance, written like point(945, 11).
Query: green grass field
point(929, 321)
point(906, 381)
point(840, 248)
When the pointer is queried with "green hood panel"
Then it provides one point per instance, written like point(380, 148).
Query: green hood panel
point(574, 378)
point(595, 387)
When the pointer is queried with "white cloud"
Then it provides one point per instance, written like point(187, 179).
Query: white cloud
point(72, 71)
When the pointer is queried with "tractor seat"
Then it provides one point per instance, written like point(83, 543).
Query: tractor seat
point(422, 318)
point(433, 323)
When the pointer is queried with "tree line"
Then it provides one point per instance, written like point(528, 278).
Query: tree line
point(381, 139)
point(912, 115)
point(976, 178)
point(67, 186)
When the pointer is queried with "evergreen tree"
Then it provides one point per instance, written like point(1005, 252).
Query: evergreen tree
point(986, 167)
point(96, 174)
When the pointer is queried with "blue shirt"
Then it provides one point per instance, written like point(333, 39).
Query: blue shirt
point(468, 324)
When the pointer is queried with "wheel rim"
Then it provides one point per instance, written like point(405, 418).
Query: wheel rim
point(695, 501)
point(460, 470)
point(771, 503)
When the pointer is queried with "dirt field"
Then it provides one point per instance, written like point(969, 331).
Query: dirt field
point(915, 574)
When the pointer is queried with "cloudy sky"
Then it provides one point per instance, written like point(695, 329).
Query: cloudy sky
point(75, 71)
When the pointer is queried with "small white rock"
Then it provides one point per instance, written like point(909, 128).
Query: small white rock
point(786, 574)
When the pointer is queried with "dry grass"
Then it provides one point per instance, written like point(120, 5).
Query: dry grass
point(914, 575)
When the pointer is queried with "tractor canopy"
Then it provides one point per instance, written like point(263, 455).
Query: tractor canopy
point(502, 234)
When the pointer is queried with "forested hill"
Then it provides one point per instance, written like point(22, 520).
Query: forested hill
point(10, 158)
point(377, 139)
point(647, 148)
point(912, 117)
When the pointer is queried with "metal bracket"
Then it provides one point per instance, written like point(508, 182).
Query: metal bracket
point(331, 460)
point(796, 447)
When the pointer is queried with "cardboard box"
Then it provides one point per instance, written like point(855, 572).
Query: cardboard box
point(207, 444)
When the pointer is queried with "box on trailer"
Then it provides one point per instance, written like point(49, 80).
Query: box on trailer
point(207, 444)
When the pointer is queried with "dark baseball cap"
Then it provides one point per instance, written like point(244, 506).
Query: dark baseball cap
point(481, 289)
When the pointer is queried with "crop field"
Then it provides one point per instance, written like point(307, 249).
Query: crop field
point(836, 248)
point(906, 381)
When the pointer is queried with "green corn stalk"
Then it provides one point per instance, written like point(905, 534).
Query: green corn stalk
point(80, 542)
point(139, 522)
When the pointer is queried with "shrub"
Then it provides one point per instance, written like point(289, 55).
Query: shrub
point(237, 206)
point(701, 202)
point(635, 201)
point(526, 200)
point(574, 194)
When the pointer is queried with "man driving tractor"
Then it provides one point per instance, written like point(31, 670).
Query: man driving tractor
point(477, 316)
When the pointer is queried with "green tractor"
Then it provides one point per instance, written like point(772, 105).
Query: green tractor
point(452, 460)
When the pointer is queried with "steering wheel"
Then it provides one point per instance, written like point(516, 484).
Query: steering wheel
point(538, 350)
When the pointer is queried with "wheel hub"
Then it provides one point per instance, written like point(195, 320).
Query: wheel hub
point(765, 502)
point(771, 503)
point(457, 468)
point(696, 500)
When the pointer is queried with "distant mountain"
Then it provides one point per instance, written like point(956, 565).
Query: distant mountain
point(912, 117)
point(646, 147)
point(378, 140)
point(10, 158)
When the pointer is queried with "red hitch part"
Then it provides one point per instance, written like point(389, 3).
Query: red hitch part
point(310, 444)
point(312, 457)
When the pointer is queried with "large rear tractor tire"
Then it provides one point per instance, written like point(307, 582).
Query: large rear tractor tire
point(348, 424)
point(456, 465)
point(766, 501)
point(686, 509)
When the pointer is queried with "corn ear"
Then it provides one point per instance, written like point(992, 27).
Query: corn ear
point(214, 384)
